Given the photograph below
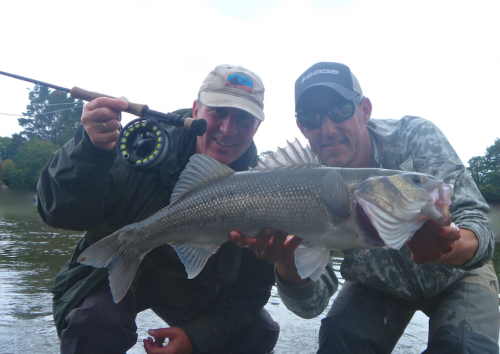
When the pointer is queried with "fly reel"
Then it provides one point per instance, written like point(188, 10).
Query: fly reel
point(143, 143)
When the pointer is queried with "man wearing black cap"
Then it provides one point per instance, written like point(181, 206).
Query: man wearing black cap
point(444, 271)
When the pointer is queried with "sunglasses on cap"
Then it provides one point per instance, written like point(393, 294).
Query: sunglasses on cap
point(337, 113)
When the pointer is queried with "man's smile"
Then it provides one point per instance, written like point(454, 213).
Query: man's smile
point(333, 143)
point(221, 143)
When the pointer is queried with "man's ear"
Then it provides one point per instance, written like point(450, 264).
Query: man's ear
point(195, 110)
point(366, 107)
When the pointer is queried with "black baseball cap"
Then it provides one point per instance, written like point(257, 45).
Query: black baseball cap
point(333, 75)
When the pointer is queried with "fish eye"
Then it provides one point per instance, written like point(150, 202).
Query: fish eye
point(417, 179)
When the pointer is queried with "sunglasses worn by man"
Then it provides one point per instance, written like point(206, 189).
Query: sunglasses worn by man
point(338, 112)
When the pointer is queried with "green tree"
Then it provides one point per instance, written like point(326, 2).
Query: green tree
point(486, 172)
point(52, 116)
point(24, 169)
point(6, 170)
point(10, 145)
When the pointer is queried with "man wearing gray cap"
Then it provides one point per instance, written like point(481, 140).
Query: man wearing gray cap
point(85, 187)
point(445, 272)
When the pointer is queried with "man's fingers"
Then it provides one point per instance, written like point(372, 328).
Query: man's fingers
point(269, 244)
point(116, 104)
point(418, 254)
point(289, 247)
point(101, 120)
point(424, 251)
point(106, 126)
point(154, 347)
point(263, 240)
point(242, 241)
point(162, 333)
point(427, 247)
point(99, 115)
point(275, 249)
point(451, 232)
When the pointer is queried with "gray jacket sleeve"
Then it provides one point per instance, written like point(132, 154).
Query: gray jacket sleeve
point(311, 299)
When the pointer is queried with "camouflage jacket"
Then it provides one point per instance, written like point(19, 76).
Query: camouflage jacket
point(410, 144)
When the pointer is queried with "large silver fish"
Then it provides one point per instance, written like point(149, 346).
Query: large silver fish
point(330, 208)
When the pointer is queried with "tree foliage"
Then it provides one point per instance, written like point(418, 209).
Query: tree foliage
point(52, 116)
point(50, 120)
point(486, 172)
point(23, 170)
point(9, 146)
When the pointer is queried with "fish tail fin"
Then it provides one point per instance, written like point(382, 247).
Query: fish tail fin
point(122, 262)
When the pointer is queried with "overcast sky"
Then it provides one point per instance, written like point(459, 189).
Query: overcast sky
point(434, 59)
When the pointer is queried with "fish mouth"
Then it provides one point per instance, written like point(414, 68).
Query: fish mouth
point(224, 144)
point(440, 211)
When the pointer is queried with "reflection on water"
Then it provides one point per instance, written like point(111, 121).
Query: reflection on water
point(31, 254)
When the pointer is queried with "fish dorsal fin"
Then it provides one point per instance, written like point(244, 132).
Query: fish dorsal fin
point(293, 155)
point(194, 256)
point(200, 169)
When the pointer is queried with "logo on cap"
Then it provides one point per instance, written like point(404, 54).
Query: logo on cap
point(319, 71)
point(240, 81)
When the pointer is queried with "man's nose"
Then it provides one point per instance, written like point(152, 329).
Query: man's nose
point(229, 126)
point(328, 127)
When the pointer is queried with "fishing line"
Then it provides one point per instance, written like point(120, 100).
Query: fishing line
point(41, 114)
point(6, 114)
point(50, 104)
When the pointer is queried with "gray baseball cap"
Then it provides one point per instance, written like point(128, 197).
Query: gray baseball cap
point(234, 86)
point(333, 75)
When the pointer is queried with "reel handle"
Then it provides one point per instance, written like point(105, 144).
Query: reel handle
point(133, 108)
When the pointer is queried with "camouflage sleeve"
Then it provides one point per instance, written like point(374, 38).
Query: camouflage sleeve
point(310, 300)
point(470, 211)
point(428, 151)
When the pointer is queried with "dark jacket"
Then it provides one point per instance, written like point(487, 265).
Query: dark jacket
point(84, 188)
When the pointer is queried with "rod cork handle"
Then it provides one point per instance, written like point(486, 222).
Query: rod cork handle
point(133, 108)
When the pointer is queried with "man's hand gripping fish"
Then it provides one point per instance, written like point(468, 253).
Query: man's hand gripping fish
point(329, 208)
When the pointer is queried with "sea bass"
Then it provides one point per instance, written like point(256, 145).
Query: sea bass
point(329, 208)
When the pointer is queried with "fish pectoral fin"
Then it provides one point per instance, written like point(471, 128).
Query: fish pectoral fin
point(194, 256)
point(336, 194)
point(310, 262)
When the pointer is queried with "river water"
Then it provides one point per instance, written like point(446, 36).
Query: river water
point(31, 254)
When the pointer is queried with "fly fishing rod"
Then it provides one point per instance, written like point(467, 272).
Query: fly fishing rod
point(143, 143)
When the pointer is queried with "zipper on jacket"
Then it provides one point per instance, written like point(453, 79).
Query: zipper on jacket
point(410, 279)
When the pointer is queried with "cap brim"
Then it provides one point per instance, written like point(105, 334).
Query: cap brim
point(341, 90)
point(216, 99)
